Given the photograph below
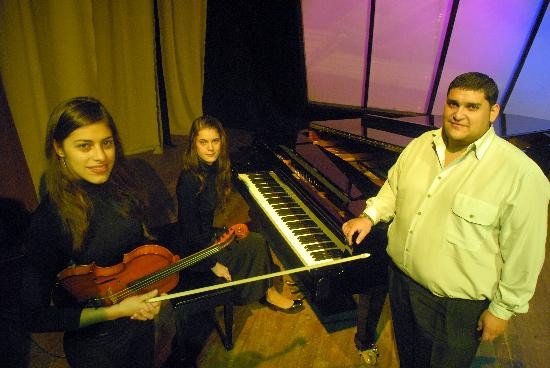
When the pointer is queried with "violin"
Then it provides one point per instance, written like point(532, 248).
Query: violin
point(145, 268)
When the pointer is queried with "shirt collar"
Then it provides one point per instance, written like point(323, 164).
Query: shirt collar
point(479, 147)
point(483, 143)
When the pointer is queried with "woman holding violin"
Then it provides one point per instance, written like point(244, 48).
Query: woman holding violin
point(203, 188)
point(90, 213)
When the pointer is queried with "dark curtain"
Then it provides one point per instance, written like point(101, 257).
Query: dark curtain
point(254, 64)
point(163, 106)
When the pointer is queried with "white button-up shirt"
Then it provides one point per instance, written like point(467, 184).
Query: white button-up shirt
point(475, 229)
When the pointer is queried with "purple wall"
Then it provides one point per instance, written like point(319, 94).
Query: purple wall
point(488, 36)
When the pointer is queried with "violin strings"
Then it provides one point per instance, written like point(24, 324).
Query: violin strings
point(163, 273)
point(154, 277)
point(159, 275)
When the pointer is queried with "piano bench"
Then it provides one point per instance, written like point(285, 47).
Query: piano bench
point(190, 305)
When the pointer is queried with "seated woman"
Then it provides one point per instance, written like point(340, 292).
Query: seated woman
point(90, 213)
point(203, 188)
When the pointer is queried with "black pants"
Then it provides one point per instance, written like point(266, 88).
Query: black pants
point(431, 331)
point(122, 343)
point(249, 257)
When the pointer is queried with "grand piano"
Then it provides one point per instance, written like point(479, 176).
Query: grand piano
point(305, 188)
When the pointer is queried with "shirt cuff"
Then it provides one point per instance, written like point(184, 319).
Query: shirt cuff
point(371, 214)
point(500, 312)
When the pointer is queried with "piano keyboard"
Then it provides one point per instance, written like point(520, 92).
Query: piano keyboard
point(308, 237)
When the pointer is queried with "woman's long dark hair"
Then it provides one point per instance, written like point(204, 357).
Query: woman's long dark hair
point(191, 160)
point(64, 190)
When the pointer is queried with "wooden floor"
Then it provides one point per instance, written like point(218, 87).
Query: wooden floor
point(264, 338)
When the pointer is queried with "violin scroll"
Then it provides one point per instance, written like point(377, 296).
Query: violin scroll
point(238, 231)
point(241, 230)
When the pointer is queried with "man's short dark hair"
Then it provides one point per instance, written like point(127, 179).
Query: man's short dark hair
point(474, 81)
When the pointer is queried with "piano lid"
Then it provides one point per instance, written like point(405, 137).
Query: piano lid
point(399, 131)
point(378, 131)
point(531, 135)
point(506, 125)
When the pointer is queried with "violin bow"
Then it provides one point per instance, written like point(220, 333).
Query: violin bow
point(256, 278)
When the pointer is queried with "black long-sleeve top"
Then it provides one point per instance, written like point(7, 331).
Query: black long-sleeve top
point(196, 210)
point(49, 251)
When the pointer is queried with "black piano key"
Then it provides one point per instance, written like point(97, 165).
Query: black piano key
point(280, 195)
point(268, 190)
point(255, 177)
point(327, 254)
point(259, 175)
point(279, 200)
point(316, 230)
point(264, 181)
point(322, 256)
point(285, 205)
point(320, 246)
point(290, 211)
point(268, 186)
point(274, 195)
point(294, 218)
point(267, 182)
point(302, 224)
point(310, 238)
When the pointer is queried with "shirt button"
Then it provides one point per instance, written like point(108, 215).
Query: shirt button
point(429, 196)
point(472, 216)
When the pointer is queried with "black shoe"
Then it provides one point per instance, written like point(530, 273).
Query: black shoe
point(297, 306)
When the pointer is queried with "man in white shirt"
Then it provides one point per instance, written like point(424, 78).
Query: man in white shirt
point(467, 239)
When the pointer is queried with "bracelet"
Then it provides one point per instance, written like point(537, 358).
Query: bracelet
point(364, 215)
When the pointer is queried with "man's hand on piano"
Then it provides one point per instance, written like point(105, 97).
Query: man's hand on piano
point(221, 271)
point(360, 226)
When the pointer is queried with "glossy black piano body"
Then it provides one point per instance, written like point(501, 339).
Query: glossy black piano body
point(325, 191)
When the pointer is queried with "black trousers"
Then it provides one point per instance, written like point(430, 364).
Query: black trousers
point(121, 343)
point(249, 257)
point(432, 331)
